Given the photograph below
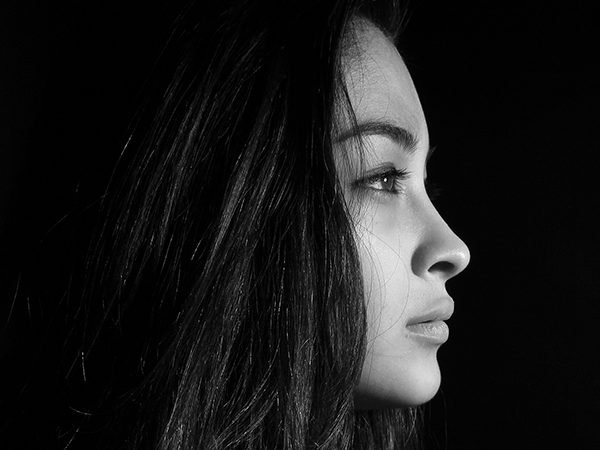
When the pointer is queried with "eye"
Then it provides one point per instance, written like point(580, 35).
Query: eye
point(387, 182)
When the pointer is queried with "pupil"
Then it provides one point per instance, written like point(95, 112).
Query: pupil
point(387, 183)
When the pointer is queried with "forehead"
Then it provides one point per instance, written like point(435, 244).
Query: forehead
point(379, 84)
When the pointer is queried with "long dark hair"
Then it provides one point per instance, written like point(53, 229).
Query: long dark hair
point(223, 303)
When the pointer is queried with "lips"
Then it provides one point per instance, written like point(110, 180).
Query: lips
point(440, 310)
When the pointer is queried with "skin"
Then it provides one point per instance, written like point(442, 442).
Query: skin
point(407, 250)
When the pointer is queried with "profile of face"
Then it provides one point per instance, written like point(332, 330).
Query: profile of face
point(407, 251)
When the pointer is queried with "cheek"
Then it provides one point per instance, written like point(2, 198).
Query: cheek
point(396, 371)
point(386, 276)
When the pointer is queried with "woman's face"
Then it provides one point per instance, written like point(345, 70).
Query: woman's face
point(407, 251)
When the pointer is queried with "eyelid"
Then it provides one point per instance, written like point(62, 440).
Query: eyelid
point(380, 173)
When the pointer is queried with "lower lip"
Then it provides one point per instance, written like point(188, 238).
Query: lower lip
point(436, 332)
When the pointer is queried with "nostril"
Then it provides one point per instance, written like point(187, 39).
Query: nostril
point(443, 267)
point(441, 253)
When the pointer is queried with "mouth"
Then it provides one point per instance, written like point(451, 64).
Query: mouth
point(430, 327)
point(431, 331)
point(439, 311)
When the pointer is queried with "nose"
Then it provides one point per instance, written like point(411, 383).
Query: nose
point(440, 253)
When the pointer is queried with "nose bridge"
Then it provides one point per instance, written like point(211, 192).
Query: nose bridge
point(440, 252)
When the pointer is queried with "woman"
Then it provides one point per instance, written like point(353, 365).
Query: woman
point(268, 248)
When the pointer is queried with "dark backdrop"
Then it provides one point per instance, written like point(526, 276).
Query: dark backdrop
point(507, 91)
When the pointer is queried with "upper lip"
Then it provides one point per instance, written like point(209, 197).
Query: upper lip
point(440, 310)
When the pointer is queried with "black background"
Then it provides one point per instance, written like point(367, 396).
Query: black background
point(507, 92)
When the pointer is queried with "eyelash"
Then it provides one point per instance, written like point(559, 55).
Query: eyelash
point(397, 176)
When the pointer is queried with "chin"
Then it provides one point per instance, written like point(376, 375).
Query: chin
point(397, 383)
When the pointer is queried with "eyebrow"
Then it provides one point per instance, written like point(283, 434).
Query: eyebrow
point(401, 136)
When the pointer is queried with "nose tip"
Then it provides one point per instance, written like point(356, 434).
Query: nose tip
point(453, 262)
point(441, 254)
